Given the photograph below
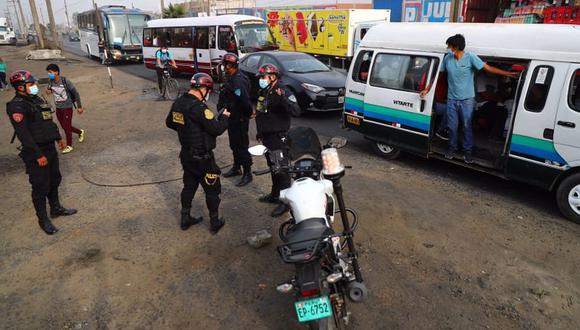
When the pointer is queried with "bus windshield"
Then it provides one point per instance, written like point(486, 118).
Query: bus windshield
point(126, 29)
point(254, 37)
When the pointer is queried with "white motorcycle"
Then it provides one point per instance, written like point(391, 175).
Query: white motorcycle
point(327, 269)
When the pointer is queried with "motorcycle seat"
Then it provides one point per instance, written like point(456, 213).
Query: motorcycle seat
point(304, 236)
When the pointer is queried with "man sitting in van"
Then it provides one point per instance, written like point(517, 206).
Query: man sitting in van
point(460, 67)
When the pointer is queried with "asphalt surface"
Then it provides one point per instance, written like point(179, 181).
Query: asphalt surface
point(328, 125)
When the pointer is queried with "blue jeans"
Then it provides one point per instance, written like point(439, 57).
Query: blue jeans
point(460, 110)
point(441, 110)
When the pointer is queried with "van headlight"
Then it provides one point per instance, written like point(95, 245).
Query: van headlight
point(313, 88)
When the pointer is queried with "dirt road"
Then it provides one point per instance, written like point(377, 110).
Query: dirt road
point(437, 251)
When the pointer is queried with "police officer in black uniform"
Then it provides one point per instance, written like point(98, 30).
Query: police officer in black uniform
point(31, 117)
point(273, 123)
point(235, 97)
point(198, 129)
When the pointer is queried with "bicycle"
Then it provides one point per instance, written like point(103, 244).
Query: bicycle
point(170, 86)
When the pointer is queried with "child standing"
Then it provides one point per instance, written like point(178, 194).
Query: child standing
point(66, 97)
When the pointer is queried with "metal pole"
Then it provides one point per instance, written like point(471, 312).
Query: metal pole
point(67, 19)
point(20, 24)
point(55, 37)
point(162, 6)
point(39, 36)
point(25, 31)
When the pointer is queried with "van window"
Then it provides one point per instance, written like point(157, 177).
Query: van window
point(574, 94)
point(226, 40)
point(402, 72)
point(202, 37)
point(361, 66)
point(539, 88)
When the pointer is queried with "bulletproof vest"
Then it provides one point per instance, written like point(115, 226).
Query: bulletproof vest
point(40, 124)
point(268, 119)
point(194, 140)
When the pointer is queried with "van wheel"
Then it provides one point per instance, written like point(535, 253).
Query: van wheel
point(568, 197)
point(386, 151)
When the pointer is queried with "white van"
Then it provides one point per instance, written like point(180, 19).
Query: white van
point(527, 129)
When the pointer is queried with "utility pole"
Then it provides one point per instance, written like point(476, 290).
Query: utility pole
point(162, 7)
point(67, 19)
point(53, 31)
point(25, 31)
point(39, 35)
point(21, 25)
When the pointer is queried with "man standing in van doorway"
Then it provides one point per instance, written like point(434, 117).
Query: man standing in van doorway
point(460, 67)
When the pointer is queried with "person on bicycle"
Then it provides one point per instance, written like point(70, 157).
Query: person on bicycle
point(235, 97)
point(163, 60)
point(272, 123)
point(197, 129)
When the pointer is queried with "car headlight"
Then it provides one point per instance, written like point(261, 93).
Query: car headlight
point(312, 88)
point(292, 98)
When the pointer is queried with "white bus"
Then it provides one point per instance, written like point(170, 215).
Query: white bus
point(209, 38)
point(525, 130)
point(122, 33)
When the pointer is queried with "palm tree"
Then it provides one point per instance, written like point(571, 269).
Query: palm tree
point(173, 11)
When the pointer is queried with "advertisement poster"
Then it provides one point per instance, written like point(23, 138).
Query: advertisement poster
point(427, 11)
point(323, 32)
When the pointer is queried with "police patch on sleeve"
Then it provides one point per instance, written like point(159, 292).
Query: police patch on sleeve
point(238, 92)
point(17, 117)
point(178, 118)
point(208, 114)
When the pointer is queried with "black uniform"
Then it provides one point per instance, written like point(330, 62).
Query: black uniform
point(31, 117)
point(235, 96)
point(197, 130)
point(273, 123)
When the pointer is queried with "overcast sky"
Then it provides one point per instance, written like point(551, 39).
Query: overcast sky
point(78, 6)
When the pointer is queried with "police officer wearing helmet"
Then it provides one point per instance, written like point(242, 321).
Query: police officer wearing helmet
point(31, 117)
point(235, 97)
point(197, 129)
point(273, 123)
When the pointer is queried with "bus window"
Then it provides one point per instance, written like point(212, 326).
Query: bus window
point(148, 37)
point(226, 40)
point(574, 99)
point(402, 72)
point(212, 37)
point(182, 37)
point(539, 88)
point(361, 67)
point(163, 36)
point(202, 37)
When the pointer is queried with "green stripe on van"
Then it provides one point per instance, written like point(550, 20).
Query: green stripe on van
point(355, 102)
point(533, 142)
point(424, 119)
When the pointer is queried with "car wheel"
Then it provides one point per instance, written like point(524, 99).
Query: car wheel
point(568, 197)
point(386, 151)
point(296, 111)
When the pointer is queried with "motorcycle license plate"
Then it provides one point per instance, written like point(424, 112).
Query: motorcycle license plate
point(313, 309)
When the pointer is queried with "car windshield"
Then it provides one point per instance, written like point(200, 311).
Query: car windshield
point(126, 29)
point(254, 37)
point(302, 64)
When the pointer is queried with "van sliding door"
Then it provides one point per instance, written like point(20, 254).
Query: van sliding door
point(394, 112)
point(567, 129)
point(532, 156)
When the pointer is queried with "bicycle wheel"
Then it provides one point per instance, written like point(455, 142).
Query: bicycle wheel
point(171, 89)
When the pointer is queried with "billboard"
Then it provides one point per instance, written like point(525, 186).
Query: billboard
point(427, 10)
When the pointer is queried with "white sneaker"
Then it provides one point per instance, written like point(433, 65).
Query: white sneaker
point(67, 149)
point(82, 136)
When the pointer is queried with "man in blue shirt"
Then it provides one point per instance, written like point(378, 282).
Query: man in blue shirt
point(163, 58)
point(460, 67)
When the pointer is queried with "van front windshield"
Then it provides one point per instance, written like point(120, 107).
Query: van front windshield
point(126, 29)
point(254, 37)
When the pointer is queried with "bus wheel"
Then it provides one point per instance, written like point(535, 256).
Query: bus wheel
point(386, 151)
point(568, 197)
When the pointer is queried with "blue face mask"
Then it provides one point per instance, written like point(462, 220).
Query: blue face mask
point(264, 83)
point(51, 76)
point(33, 90)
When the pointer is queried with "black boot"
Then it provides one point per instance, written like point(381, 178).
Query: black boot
point(61, 211)
point(187, 220)
point(280, 210)
point(246, 178)
point(47, 226)
point(216, 224)
point(268, 199)
point(234, 171)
